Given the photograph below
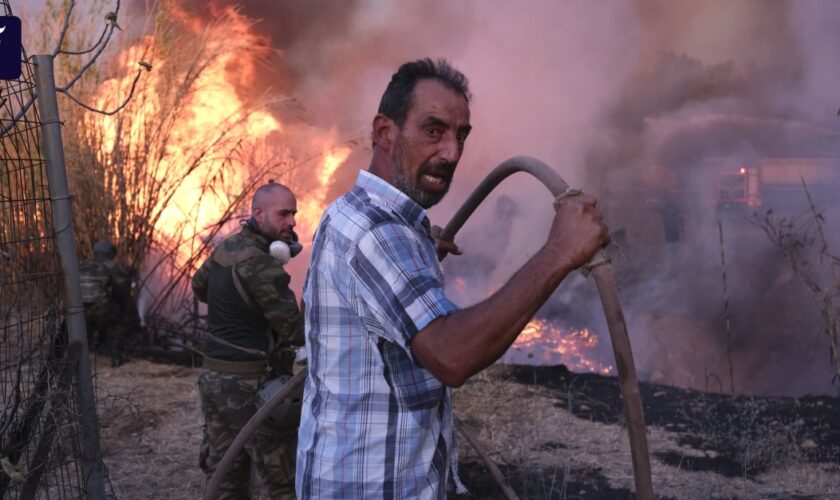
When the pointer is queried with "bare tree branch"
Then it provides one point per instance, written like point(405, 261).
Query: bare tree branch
point(800, 240)
point(99, 46)
point(115, 110)
point(818, 220)
point(91, 49)
point(65, 26)
point(93, 58)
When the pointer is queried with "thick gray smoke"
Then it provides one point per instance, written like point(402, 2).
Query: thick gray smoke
point(642, 103)
point(719, 86)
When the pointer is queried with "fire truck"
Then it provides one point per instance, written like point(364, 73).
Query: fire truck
point(776, 183)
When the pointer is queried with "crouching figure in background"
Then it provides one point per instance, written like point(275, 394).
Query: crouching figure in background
point(106, 294)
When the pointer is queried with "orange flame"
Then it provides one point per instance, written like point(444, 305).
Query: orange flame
point(542, 342)
point(311, 207)
point(214, 105)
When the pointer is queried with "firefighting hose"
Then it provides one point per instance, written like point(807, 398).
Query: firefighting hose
point(602, 272)
point(247, 431)
point(604, 280)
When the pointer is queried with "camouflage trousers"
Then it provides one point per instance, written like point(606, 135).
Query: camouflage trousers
point(106, 328)
point(228, 402)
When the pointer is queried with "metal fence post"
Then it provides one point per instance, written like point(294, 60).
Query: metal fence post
point(53, 150)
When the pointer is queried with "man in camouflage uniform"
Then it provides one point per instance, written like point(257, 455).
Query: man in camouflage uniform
point(106, 297)
point(251, 315)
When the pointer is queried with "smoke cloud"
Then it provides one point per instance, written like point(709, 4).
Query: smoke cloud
point(642, 103)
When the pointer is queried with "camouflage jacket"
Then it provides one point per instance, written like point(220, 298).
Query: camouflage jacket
point(266, 284)
point(101, 280)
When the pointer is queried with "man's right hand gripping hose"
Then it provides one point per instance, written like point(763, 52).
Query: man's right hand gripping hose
point(579, 231)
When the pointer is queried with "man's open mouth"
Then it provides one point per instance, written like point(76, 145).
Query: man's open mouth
point(435, 180)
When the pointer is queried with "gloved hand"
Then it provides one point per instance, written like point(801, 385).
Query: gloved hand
point(295, 247)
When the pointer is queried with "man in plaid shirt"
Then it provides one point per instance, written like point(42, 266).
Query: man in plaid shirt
point(384, 343)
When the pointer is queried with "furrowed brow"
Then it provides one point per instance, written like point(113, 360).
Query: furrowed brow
point(435, 121)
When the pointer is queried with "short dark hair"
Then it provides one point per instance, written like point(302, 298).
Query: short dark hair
point(399, 95)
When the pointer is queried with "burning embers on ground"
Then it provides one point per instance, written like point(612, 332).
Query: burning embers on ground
point(545, 343)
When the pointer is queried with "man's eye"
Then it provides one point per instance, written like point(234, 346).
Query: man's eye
point(433, 132)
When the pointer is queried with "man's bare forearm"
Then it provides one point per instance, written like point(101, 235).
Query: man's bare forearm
point(457, 346)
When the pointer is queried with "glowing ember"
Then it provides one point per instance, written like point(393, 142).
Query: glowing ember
point(542, 342)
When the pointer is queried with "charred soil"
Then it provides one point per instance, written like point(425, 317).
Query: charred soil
point(559, 434)
point(553, 433)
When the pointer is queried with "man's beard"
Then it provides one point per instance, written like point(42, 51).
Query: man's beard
point(272, 233)
point(411, 187)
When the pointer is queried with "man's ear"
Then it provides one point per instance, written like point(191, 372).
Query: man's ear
point(384, 132)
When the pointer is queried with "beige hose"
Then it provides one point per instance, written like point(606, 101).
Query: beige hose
point(602, 272)
point(247, 431)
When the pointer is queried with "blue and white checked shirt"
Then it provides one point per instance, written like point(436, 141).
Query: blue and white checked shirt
point(375, 423)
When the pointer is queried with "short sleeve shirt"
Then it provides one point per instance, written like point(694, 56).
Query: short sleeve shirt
point(375, 423)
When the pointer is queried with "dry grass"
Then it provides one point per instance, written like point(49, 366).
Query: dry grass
point(151, 430)
point(161, 177)
point(528, 428)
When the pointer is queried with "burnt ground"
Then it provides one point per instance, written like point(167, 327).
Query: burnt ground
point(731, 427)
point(554, 435)
point(702, 445)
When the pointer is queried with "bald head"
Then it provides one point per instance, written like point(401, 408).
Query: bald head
point(264, 193)
point(273, 208)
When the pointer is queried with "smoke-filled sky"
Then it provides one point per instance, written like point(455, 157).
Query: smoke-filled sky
point(629, 100)
point(623, 98)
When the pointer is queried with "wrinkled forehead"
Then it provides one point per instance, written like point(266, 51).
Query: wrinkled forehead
point(433, 98)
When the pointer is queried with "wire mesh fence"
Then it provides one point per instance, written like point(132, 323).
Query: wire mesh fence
point(39, 420)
